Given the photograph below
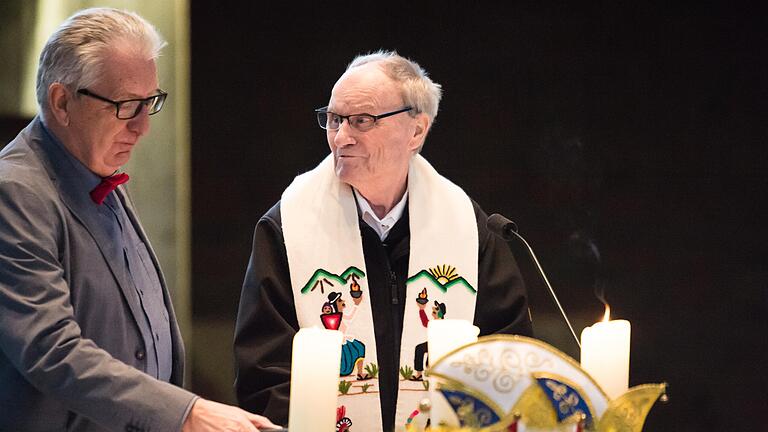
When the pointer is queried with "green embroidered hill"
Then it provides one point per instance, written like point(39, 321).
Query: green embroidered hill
point(444, 288)
point(321, 275)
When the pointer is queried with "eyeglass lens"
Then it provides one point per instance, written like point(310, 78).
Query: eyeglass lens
point(130, 109)
point(332, 121)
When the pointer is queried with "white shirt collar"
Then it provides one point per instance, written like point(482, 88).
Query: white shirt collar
point(384, 225)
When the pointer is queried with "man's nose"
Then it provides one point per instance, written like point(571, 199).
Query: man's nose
point(344, 135)
point(140, 124)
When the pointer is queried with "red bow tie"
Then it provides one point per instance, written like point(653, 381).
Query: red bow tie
point(107, 185)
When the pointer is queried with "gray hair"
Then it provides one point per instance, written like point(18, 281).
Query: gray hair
point(75, 53)
point(419, 91)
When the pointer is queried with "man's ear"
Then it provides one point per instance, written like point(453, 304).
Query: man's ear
point(420, 131)
point(59, 98)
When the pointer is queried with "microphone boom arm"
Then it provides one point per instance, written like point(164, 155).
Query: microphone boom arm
point(506, 229)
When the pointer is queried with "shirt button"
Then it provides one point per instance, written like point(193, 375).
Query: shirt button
point(140, 354)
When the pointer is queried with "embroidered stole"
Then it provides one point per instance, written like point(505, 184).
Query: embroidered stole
point(330, 287)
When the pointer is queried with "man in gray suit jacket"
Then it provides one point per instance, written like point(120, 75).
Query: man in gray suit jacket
point(88, 337)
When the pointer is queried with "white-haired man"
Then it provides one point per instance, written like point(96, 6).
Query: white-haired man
point(88, 337)
point(378, 224)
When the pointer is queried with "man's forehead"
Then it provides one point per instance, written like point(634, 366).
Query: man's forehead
point(357, 102)
point(364, 88)
point(129, 77)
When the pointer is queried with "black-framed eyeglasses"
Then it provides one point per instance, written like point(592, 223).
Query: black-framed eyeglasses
point(361, 122)
point(130, 108)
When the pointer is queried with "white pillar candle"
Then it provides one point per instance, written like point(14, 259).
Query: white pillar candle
point(444, 336)
point(315, 367)
point(605, 354)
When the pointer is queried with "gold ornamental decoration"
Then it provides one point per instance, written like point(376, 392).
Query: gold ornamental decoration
point(506, 383)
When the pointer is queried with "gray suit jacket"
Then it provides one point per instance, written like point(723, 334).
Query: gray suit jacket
point(71, 354)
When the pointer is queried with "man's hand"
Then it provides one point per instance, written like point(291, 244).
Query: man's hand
point(212, 416)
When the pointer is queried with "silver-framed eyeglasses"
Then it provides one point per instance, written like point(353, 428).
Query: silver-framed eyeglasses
point(361, 122)
point(130, 108)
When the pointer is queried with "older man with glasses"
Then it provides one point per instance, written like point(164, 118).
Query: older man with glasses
point(88, 337)
point(375, 228)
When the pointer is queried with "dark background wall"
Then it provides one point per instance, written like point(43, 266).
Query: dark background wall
point(637, 130)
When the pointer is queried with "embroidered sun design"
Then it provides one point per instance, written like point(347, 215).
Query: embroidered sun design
point(444, 273)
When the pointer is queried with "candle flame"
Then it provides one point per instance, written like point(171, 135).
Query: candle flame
point(423, 293)
point(607, 316)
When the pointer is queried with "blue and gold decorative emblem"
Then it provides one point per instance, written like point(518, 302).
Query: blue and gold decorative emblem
point(503, 383)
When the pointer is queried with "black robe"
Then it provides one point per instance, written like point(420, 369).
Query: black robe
point(266, 319)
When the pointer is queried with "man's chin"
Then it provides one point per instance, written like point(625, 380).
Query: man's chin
point(120, 159)
point(346, 175)
point(108, 170)
point(103, 170)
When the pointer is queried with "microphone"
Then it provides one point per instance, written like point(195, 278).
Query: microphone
point(507, 230)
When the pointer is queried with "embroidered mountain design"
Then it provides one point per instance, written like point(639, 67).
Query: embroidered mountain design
point(322, 277)
point(450, 281)
point(444, 273)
